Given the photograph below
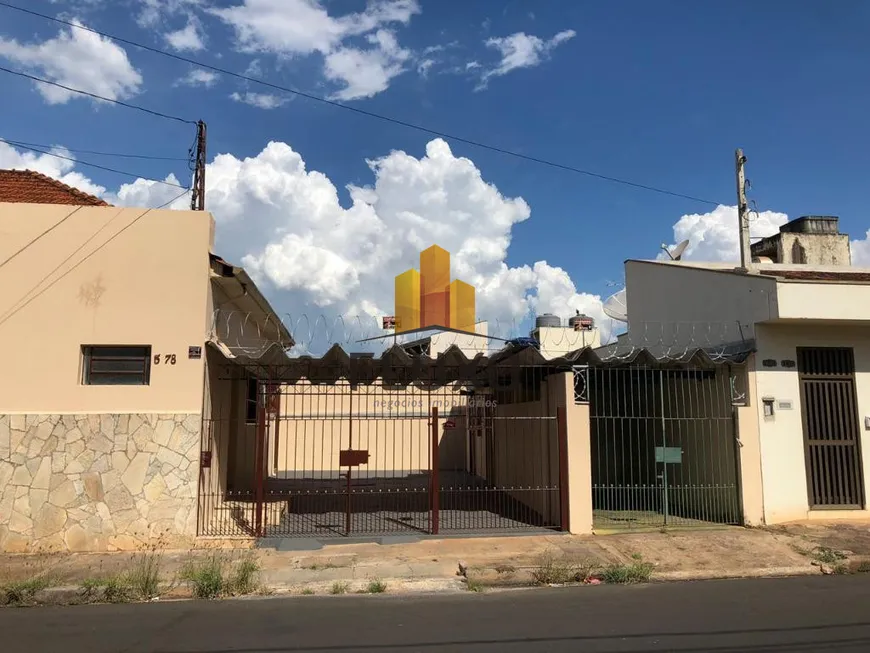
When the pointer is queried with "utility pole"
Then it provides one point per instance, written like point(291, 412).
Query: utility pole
point(197, 198)
point(742, 211)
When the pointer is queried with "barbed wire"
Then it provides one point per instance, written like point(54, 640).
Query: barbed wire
point(255, 336)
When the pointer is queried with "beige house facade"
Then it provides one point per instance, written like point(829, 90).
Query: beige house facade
point(804, 428)
point(105, 314)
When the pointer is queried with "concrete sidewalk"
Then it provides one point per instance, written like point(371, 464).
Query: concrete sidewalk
point(433, 564)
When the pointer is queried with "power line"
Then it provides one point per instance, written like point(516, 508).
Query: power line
point(97, 153)
point(11, 312)
point(34, 240)
point(95, 96)
point(94, 165)
point(370, 114)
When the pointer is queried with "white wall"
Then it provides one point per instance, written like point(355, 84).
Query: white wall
point(684, 305)
point(823, 301)
point(558, 341)
point(470, 345)
point(782, 439)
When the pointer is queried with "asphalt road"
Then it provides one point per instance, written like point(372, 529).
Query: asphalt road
point(798, 614)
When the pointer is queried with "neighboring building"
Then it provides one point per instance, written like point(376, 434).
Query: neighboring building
point(810, 240)
point(115, 326)
point(805, 312)
point(558, 339)
point(440, 340)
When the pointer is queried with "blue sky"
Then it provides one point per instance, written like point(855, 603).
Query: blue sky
point(654, 92)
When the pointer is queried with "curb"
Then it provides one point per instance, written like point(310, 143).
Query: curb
point(764, 572)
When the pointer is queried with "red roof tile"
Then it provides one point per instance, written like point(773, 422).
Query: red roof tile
point(818, 275)
point(28, 187)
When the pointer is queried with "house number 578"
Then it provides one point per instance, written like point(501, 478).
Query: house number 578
point(168, 359)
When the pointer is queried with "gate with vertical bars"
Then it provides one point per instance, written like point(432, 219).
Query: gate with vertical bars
point(664, 446)
point(829, 412)
point(426, 451)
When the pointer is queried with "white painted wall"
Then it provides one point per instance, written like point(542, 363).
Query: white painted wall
point(558, 341)
point(823, 301)
point(782, 440)
point(677, 304)
point(470, 345)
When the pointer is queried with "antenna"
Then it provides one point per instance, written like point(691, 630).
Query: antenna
point(677, 252)
point(615, 307)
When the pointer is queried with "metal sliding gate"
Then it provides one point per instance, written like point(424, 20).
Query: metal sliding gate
point(346, 459)
point(664, 447)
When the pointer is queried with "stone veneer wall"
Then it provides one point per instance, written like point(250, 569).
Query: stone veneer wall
point(97, 482)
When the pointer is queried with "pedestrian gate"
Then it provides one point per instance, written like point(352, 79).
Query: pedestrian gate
point(664, 450)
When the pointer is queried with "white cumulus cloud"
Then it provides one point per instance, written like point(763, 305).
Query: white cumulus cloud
point(714, 236)
point(78, 59)
point(521, 50)
point(861, 251)
point(198, 77)
point(152, 12)
point(305, 27)
point(260, 100)
point(317, 256)
point(51, 166)
point(364, 73)
point(186, 39)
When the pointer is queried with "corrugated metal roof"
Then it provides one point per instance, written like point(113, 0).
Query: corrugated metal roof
point(397, 367)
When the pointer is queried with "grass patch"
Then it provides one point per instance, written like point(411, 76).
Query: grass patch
point(205, 577)
point(828, 556)
point(473, 585)
point(503, 570)
point(216, 576)
point(863, 567)
point(339, 588)
point(376, 587)
point(244, 578)
point(144, 577)
point(321, 566)
point(23, 592)
point(637, 571)
point(111, 589)
point(307, 591)
point(553, 570)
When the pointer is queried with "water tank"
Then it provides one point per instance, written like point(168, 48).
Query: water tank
point(548, 320)
point(581, 322)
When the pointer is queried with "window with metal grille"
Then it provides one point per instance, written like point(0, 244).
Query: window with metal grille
point(116, 365)
point(251, 401)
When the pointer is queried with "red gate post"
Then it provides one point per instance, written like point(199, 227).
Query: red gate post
point(348, 517)
point(562, 428)
point(434, 493)
point(260, 458)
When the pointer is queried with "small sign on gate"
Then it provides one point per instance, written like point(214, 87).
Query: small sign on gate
point(205, 459)
point(353, 457)
point(669, 455)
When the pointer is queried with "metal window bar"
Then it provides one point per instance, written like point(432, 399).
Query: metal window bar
point(116, 365)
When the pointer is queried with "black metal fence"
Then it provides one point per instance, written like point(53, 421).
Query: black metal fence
point(343, 459)
point(664, 448)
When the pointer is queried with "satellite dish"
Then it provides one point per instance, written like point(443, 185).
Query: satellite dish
point(677, 252)
point(616, 308)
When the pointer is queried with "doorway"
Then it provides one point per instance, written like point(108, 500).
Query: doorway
point(829, 412)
